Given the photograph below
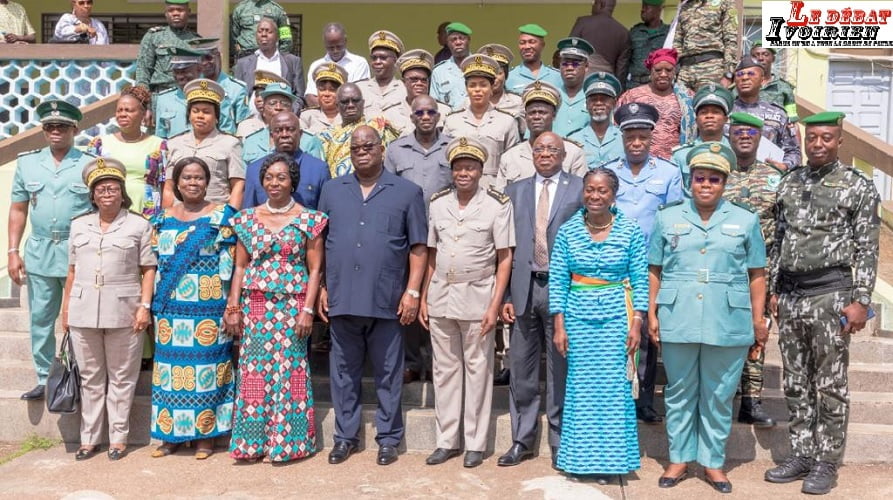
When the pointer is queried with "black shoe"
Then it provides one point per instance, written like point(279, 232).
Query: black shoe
point(648, 415)
point(473, 459)
point(84, 453)
point(35, 394)
point(555, 458)
point(502, 378)
point(341, 451)
point(790, 470)
point(720, 486)
point(516, 454)
point(752, 412)
point(669, 482)
point(441, 455)
point(387, 455)
point(821, 480)
point(116, 453)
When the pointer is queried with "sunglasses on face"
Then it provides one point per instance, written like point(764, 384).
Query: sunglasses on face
point(102, 191)
point(750, 132)
point(571, 63)
point(425, 112)
point(55, 127)
point(350, 100)
point(713, 179)
point(368, 147)
point(746, 73)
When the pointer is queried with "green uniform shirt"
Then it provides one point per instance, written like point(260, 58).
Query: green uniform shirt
point(154, 60)
point(55, 195)
point(780, 92)
point(248, 13)
point(643, 41)
point(756, 187)
point(707, 26)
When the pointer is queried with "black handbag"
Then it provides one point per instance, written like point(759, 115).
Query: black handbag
point(64, 381)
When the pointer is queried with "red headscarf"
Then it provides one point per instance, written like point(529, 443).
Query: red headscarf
point(658, 55)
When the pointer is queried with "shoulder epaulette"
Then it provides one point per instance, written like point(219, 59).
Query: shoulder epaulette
point(606, 163)
point(743, 205)
point(156, 29)
point(510, 92)
point(26, 153)
point(575, 143)
point(859, 173)
point(440, 194)
point(777, 106)
point(310, 108)
point(773, 167)
point(258, 131)
point(572, 132)
point(505, 112)
point(236, 81)
point(441, 102)
point(137, 214)
point(792, 170)
point(686, 145)
point(498, 195)
point(91, 155)
point(671, 204)
point(455, 111)
point(167, 91)
point(88, 212)
point(224, 132)
point(441, 62)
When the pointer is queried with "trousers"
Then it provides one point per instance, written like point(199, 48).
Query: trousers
point(695, 76)
point(647, 368)
point(44, 303)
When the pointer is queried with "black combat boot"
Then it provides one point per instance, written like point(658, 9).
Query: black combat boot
point(790, 470)
point(821, 479)
point(752, 412)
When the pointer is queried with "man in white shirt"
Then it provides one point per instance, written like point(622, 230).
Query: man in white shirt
point(335, 41)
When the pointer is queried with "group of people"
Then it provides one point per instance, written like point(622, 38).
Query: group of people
point(606, 227)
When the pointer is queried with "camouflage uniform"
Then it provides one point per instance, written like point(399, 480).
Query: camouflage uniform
point(781, 93)
point(643, 41)
point(755, 187)
point(775, 127)
point(154, 60)
point(827, 217)
point(244, 19)
point(696, 35)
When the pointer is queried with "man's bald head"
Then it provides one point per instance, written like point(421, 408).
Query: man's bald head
point(285, 129)
point(366, 151)
point(350, 103)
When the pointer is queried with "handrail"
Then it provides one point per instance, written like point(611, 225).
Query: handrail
point(96, 113)
point(69, 51)
point(857, 143)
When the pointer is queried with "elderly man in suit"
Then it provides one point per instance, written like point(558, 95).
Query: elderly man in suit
point(544, 202)
point(267, 57)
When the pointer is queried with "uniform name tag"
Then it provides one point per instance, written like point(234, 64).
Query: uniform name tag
point(731, 226)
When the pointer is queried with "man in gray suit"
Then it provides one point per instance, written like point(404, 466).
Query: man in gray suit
point(267, 57)
point(542, 204)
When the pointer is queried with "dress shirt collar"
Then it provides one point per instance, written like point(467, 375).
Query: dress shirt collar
point(262, 57)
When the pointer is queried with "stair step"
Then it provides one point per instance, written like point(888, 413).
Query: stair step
point(15, 319)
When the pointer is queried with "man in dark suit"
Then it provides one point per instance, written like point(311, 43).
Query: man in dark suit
point(268, 57)
point(542, 204)
point(609, 37)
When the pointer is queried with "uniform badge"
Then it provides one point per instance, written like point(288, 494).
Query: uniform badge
point(633, 108)
point(715, 147)
point(773, 181)
point(674, 241)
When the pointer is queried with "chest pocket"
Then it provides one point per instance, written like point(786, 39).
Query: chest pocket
point(125, 252)
point(219, 165)
point(478, 233)
point(656, 190)
point(79, 189)
point(79, 242)
point(675, 237)
point(34, 187)
point(389, 223)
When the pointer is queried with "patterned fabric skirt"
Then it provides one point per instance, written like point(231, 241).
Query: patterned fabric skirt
point(192, 378)
point(274, 403)
point(599, 433)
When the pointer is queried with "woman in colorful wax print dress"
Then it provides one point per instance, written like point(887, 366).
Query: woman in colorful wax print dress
point(192, 379)
point(598, 294)
point(276, 279)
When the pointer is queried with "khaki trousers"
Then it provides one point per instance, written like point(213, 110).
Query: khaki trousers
point(107, 356)
point(462, 356)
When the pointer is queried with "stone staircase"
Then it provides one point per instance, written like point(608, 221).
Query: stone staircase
point(870, 429)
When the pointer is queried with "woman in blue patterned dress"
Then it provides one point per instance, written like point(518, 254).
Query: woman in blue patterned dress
point(277, 277)
point(598, 294)
point(192, 379)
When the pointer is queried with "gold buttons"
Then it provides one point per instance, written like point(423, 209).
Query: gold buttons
point(700, 296)
point(703, 251)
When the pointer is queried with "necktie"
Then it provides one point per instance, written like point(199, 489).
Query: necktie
point(540, 248)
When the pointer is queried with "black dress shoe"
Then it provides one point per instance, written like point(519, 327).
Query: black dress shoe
point(790, 470)
point(516, 454)
point(410, 376)
point(35, 394)
point(84, 453)
point(116, 453)
point(720, 486)
point(387, 455)
point(502, 378)
point(555, 458)
point(473, 459)
point(441, 455)
point(341, 451)
point(669, 482)
point(648, 415)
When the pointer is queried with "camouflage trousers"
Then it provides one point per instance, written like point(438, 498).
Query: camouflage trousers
point(815, 355)
point(694, 76)
point(752, 376)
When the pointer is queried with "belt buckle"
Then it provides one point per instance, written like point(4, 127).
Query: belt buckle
point(703, 276)
point(57, 236)
point(450, 276)
point(100, 280)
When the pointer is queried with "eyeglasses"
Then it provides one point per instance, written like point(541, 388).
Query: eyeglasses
point(55, 127)
point(546, 149)
point(425, 112)
point(350, 100)
point(368, 147)
point(102, 191)
point(746, 73)
point(713, 179)
point(571, 63)
point(751, 132)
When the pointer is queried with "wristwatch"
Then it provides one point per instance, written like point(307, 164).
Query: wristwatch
point(865, 300)
point(147, 305)
point(413, 293)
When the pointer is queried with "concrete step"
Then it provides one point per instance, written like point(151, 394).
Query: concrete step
point(19, 376)
point(14, 319)
point(868, 443)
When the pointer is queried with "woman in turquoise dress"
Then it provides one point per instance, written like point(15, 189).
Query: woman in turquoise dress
point(598, 294)
point(276, 281)
point(192, 379)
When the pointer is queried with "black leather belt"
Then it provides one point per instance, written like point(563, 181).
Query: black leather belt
point(699, 58)
point(540, 275)
point(816, 282)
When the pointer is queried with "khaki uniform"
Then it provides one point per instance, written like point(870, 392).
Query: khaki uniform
point(221, 151)
point(497, 132)
point(401, 117)
point(378, 100)
point(458, 295)
point(104, 298)
point(313, 120)
point(517, 163)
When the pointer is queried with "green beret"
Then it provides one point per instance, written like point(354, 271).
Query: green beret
point(58, 111)
point(653, 2)
point(714, 94)
point(759, 43)
point(713, 156)
point(825, 118)
point(458, 28)
point(177, 2)
point(533, 29)
point(748, 119)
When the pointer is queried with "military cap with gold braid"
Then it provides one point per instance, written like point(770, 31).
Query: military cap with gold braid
point(500, 53)
point(103, 168)
point(58, 111)
point(712, 156)
point(204, 90)
point(479, 65)
point(330, 72)
point(466, 147)
point(263, 78)
point(825, 118)
point(541, 91)
point(416, 59)
point(386, 40)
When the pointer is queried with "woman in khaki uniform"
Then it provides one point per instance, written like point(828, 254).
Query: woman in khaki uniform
point(108, 290)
